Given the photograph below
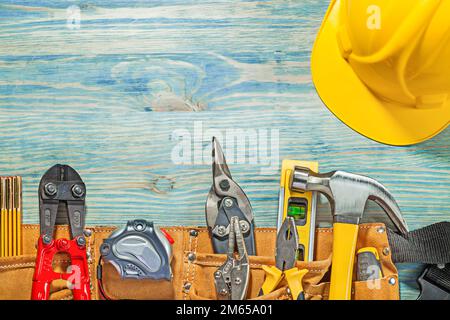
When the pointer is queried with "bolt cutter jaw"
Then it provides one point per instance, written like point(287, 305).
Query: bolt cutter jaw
point(61, 187)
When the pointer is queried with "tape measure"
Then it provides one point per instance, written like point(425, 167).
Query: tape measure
point(368, 266)
point(300, 206)
point(139, 251)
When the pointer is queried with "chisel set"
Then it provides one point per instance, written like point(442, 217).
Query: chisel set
point(11, 216)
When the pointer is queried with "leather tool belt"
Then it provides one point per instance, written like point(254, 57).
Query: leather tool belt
point(193, 266)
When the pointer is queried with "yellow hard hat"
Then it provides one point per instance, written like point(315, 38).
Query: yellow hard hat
point(383, 67)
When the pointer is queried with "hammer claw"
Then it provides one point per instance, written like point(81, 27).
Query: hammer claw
point(348, 194)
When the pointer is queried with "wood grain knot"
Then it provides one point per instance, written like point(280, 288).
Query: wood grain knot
point(168, 101)
point(162, 184)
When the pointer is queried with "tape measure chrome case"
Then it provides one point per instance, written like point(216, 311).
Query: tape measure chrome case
point(139, 250)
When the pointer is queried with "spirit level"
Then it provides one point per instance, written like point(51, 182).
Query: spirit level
point(300, 206)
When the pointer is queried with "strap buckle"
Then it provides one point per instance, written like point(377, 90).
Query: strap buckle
point(435, 283)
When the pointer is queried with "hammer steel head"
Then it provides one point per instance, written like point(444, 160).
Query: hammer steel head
point(348, 194)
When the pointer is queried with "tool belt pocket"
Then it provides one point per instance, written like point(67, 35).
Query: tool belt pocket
point(372, 235)
point(196, 281)
point(200, 271)
point(112, 286)
point(115, 288)
point(16, 276)
point(199, 264)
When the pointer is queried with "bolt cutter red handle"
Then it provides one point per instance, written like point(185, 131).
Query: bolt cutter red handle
point(78, 275)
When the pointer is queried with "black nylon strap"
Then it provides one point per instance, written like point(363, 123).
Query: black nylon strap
point(430, 245)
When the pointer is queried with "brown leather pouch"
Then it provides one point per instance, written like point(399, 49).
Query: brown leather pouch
point(193, 266)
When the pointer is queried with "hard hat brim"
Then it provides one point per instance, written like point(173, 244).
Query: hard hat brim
point(350, 100)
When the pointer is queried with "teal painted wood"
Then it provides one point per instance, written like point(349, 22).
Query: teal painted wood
point(111, 97)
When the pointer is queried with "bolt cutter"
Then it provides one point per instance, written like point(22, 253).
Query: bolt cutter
point(285, 258)
point(61, 201)
point(226, 200)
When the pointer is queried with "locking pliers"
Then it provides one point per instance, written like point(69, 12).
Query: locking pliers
point(231, 278)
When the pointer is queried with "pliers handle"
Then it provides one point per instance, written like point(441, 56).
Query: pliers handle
point(273, 278)
point(77, 275)
point(293, 276)
point(231, 278)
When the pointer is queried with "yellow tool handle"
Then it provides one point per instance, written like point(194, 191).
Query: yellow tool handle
point(344, 247)
point(10, 233)
point(294, 278)
point(273, 278)
point(19, 232)
point(14, 232)
point(3, 233)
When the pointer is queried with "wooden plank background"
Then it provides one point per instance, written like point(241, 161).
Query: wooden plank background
point(108, 97)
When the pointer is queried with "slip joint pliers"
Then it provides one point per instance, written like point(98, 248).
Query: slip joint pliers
point(285, 261)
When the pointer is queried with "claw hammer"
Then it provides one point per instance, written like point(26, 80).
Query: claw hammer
point(347, 194)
